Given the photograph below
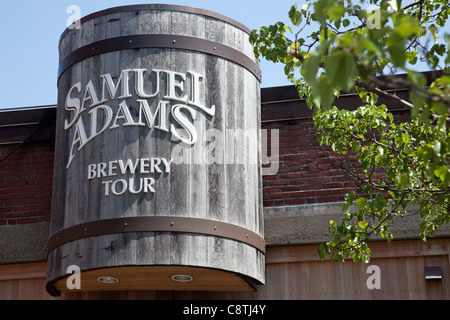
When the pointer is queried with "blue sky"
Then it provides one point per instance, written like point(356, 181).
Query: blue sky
point(30, 31)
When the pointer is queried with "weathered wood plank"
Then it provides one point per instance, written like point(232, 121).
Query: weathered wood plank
point(197, 187)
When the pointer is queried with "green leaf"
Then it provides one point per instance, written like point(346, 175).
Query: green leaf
point(440, 108)
point(341, 69)
point(310, 68)
point(363, 224)
point(321, 251)
point(402, 180)
point(344, 207)
point(361, 203)
point(253, 36)
point(321, 8)
point(295, 15)
point(350, 197)
point(324, 92)
point(407, 26)
point(436, 147)
point(442, 172)
point(336, 12)
point(398, 55)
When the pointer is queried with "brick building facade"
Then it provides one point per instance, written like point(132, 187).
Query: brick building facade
point(299, 200)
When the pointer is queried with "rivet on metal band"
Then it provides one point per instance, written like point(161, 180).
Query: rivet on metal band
point(160, 41)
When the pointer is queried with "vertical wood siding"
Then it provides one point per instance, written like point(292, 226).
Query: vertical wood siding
point(206, 191)
point(292, 273)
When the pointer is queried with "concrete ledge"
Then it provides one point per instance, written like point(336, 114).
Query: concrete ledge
point(24, 242)
point(308, 224)
point(302, 224)
point(287, 225)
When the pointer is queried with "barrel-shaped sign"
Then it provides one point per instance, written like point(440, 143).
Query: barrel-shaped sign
point(157, 176)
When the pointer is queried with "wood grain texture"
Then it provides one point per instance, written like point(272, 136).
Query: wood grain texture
point(159, 278)
point(209, 188)
point(292, 272)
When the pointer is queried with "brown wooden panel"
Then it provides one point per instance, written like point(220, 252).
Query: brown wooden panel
point(195, 188)
point(291, 273)
point(159, 278)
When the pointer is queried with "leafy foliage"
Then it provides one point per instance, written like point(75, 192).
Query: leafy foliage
point(402, 166)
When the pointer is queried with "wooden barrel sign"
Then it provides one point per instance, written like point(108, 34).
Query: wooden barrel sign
point(157, 176)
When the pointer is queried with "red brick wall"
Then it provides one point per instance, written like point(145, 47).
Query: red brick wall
point(26, 178)
point(307, 172)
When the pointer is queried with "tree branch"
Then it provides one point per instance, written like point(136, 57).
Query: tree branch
point(385, 94)
point(413, 4)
